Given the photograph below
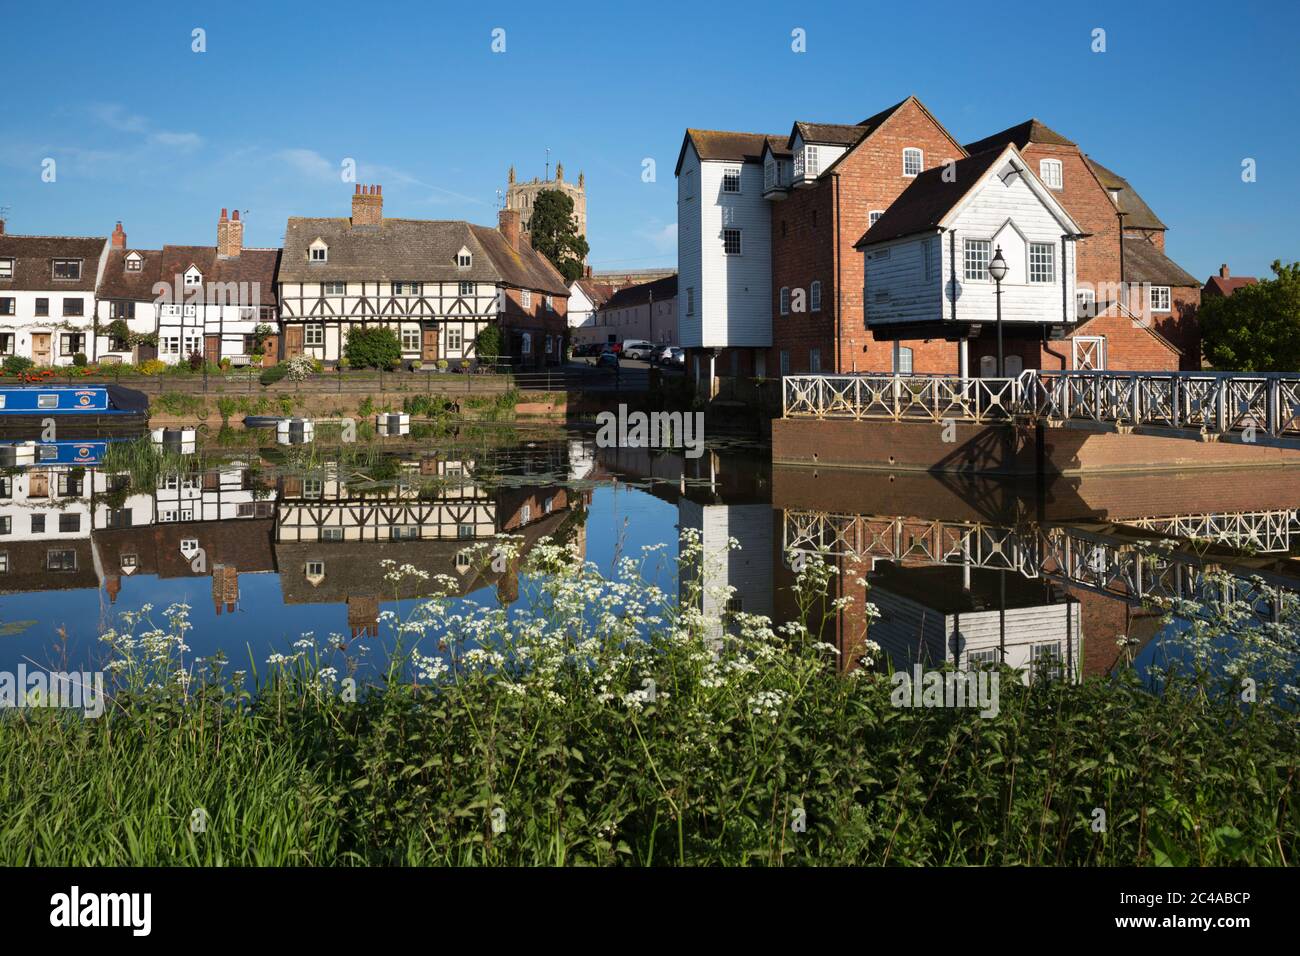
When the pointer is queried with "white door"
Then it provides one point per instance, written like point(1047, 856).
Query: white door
point(1089, 353)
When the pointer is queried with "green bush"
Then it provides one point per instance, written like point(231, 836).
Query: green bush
point(273, 374)
point(80, 360)
point(374, 346)
point(17, 364)
point(487, 344)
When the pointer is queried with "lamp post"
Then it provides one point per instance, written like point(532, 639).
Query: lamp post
point(998, 270)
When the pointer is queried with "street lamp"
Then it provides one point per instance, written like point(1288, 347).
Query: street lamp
point(998, 271)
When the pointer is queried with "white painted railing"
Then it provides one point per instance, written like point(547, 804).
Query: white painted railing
point(927, 398)
point(1255, 407)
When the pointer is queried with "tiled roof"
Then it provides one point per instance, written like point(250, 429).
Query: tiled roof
point(634, 295)
point(250, 266)
point(1137, 214)
point(831, 134)
point(1225, 287)
point(1143, 262)
point(416, 250)
point(597, 292)
point(714, 144)
point(929, 198)
point(120, 284)
point(34, 261)
point(1022, 134)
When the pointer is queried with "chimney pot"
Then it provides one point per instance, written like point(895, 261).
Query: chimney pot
point(223, 212)
point(357, 191)
point(1223, 271)
point(235, 215)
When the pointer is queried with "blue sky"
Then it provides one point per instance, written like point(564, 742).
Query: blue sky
point(149, 132)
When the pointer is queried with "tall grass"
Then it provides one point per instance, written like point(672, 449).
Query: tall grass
point(612, 724)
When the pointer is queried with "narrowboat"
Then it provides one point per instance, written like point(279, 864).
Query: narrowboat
point(33, 453)
point(77, 412)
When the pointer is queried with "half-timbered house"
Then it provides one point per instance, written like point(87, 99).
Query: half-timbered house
point(435, 283)
point(127, 326)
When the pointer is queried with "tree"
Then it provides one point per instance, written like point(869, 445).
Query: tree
point(554, 233)
point(487, 344)
point(1257, 328)
point(373, 346)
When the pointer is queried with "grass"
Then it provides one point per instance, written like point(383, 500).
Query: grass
point(614, 726)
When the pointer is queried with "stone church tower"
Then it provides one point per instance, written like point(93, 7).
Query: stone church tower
point(522, 196)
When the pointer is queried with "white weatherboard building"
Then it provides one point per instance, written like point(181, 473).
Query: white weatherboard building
point(926, 259)
point(47, 295)
point(724, 247)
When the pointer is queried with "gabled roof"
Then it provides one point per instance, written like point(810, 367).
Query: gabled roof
point(1143, 262)
point(932, 197)
point(1138, 214)
point(1022, 134)
point(250, 266)
point(596, 292)
point(138, 286)
point(415, 250)
point(1225, 287)
point(713, 144)
point(633, 295)
point(34, 261)
point(874, 122)
point(827, 134)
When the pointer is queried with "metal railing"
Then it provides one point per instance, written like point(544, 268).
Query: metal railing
point(1263, 408)
point(928, 398)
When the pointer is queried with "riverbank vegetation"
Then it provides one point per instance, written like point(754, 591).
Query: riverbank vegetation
point(609, 723)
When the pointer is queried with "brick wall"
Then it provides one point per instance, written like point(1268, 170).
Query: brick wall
point(809, 243)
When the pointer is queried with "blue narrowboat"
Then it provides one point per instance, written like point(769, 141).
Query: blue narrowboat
point(33, 454)
point(78, 412)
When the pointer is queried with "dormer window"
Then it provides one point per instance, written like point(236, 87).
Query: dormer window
point(134, 262)
point(464, 259)
point(6, 268)
point(67, 269)
point(193, 278)
point(318, 251)
point(913, 161)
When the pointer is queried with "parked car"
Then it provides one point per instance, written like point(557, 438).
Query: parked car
point(675, 357)
point(607, 359)
point(657, 356)
point(586, 348)
point(637, 349)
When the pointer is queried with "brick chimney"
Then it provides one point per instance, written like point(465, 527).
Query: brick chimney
point(508, 223)
point(119, 237)
point(225, 587)
point(368, 206)
point(2, 227)
point(1223, 271)
point(230, 235)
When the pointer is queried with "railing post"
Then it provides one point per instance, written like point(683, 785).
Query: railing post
point(1221, 406)
point(1175, 397)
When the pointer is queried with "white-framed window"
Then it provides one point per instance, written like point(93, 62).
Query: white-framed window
point(1159, 298)
point(814, 360)
point(190, 311)
point(927, 258)
point(133, 262)
point(410, 338)
point(811, 163)
point(315, 569)
point(1042, 262)
point(464, 259)
point(549, 302)
point(331, 534)
point(785, 363)
point(193, 278)
point(4, 562)
point(408, 288)
point(171, 311)
point(454, 339)
point(975, 255)
point(1085, 303)
point(731, 180)
point(67, 269)
point(526, 344)
point(171, 345)
point(526, 298)
point(70, 343)
point(815, 296)
point(467, 288)
point(873, 216)
point(731, 242)
point(913, 161)
point(785, 300)
point(334, 288)
point(193, 343)
point(318, 252)
point(462, 559)
point(314, 335)
point(987, 657)
point(6, 268)
point(902, 360)
point(1045, 661)
point(465, 531)
point(1049, 171)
